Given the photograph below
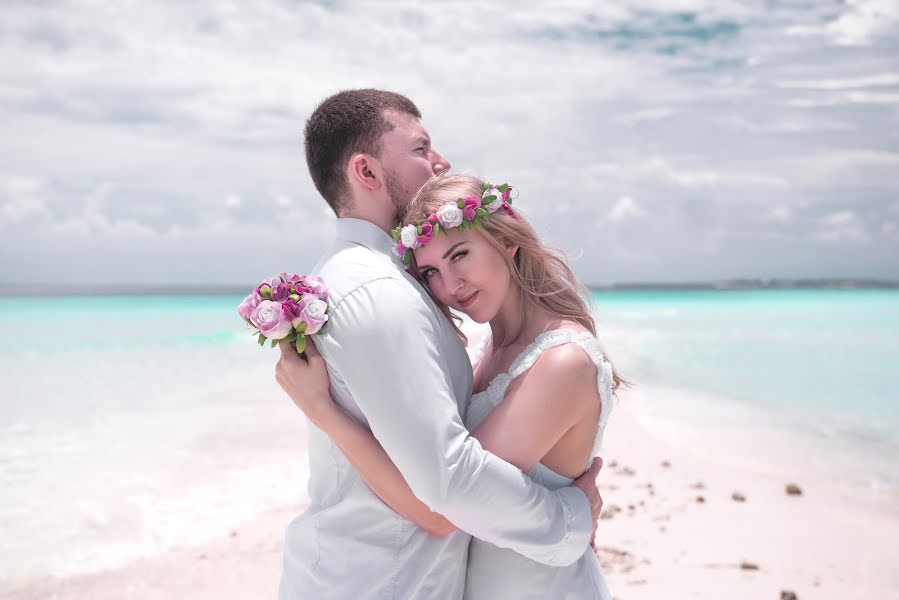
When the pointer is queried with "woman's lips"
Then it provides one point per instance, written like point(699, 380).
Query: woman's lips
point(466, 302)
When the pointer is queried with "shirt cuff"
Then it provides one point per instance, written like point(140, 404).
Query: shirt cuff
point(580, 525)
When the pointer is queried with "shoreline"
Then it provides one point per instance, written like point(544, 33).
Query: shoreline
point(656, 535)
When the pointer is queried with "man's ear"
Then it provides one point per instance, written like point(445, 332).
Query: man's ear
point(366, 171)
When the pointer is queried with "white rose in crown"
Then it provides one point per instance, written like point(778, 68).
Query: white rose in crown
point(449, 215)
point(409, 237)
point(497, 203)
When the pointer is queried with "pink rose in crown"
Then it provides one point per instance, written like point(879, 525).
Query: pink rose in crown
point(472, 204)
point(399, 249)
point(427, 232)
point(271, 321)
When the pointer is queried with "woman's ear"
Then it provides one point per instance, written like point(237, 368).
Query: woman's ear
point(366, 171)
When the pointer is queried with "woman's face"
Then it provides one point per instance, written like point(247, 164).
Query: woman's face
point(465, 272)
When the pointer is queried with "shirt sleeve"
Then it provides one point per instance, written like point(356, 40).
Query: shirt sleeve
point(383, 340)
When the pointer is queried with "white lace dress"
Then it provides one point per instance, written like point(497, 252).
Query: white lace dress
point(497, 573)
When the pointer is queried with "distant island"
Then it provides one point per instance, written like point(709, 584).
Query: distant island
point(13, 290)
point(757, 284)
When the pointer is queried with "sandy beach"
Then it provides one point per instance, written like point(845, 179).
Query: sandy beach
point(685, 516)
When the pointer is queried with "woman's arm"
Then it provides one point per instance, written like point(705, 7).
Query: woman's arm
point(541, 406)
point(367, 456)
point(311, 394)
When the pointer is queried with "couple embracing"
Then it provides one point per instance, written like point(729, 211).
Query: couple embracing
point(430, 478)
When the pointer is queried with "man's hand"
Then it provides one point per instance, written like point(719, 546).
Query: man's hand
point(587, 484)
point(305, 381)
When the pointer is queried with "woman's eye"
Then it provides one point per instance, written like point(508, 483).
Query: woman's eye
point(427, 274)
point(459, 255)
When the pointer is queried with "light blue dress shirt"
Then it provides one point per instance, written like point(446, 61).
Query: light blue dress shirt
point(397, 366)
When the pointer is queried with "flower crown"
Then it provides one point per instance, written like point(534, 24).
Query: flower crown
point(463, 213)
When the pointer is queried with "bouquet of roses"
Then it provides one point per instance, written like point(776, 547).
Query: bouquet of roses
point(286, 307)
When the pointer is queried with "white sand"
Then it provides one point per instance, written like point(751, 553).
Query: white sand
point(656, 540)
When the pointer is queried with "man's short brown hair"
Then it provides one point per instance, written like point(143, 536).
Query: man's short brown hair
point(348, 123)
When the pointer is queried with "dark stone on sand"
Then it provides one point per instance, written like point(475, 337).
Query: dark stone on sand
point(793, 489)
point(666, 464)
point(788, 595)
point(700, 499)
point(738, 497)
point(748, 566)
point(613, 464)
point(627, 471)
point(234, 533)
point(698, 486)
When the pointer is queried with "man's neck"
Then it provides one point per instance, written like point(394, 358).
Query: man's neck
point(384, 222)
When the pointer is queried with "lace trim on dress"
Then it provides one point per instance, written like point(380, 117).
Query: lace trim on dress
point(496, 390)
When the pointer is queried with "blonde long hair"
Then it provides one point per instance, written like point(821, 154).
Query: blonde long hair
point(541, 273)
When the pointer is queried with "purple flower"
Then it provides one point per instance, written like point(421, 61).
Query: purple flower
point(245, 309)
point(269, 317)
point(291, 310)
point(281, 292)
point(399, 249)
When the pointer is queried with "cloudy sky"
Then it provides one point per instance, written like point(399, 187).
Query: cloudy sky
point(653, 140)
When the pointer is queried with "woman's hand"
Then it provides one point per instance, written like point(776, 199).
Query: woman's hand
point(306, 382)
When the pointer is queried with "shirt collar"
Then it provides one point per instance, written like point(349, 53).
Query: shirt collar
point(366, 233)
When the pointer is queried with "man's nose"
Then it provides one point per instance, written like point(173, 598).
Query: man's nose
point(440, 163)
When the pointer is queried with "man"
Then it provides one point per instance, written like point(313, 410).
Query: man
point(396, 365)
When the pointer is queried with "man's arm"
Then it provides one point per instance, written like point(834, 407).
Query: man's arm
point(383, 340)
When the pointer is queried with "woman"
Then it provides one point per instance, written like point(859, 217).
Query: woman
point(542, 386)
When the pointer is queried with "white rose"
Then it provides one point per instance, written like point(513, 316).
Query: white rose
point(497, 203)
point(409, 237)
point(449, 215)
point(314, 313)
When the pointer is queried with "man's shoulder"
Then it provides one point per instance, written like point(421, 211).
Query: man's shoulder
point(351, 267)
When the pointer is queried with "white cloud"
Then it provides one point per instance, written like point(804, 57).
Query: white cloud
point(20, 199)
point(878, 80)
point(842, 226)
point(163, 126)
point(861, 23)
point(625, 209)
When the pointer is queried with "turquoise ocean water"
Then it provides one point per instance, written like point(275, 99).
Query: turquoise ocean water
point(132, 424)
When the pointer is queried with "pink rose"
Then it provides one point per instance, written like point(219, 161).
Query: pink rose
point(472, 204)
point(314, 312)
point(269, 317)
point(288, 277)
point(316, 286)
point(245, 309)
point(399, 249)
point(427, 232)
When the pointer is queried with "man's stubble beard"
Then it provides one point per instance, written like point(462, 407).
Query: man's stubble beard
point(399, 196)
